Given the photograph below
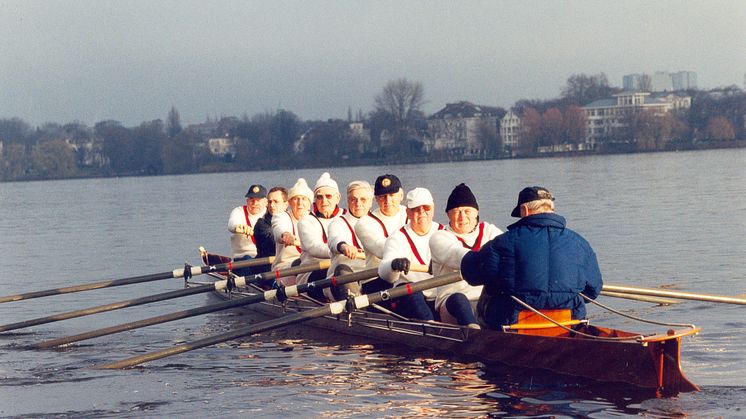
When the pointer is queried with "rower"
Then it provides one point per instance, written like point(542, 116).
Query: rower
point(277, 202)
point(347, 251)
point(374, 228)
point(312, 230)
point(285, 229)
point(538, 260)
point(241, 225)
point(408, 245)
point(464, 232)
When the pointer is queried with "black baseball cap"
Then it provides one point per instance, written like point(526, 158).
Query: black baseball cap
point(386, 184)
point(531, 193)
point(256, 191)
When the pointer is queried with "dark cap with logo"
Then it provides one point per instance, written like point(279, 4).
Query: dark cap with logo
point(532, 193)
point(256, 191)
point(386, 184)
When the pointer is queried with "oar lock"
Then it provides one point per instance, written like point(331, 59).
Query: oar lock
point(187, 272)
point(230, 283)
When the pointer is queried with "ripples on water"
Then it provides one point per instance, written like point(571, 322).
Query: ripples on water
point(654, 220)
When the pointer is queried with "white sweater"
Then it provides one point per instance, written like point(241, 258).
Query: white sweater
point(448, 248)
point(284, 255)
point(398, 246)
point(339, 231)
point(314, 241)
point(241, 244)
point(373, 236)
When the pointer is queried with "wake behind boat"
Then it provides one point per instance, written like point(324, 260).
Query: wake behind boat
point(650, 361)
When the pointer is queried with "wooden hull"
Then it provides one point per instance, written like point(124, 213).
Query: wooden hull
point(651, 363)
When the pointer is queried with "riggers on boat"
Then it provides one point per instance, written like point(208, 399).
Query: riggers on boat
point(548, 340)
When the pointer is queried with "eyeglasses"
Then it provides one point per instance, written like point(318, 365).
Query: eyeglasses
point(328, 196)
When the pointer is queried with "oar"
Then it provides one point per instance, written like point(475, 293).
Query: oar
point(275, 275)
point(290, 291)
point(334, 308)
point(187, 271)
point(646, 299)
point(675, 294)
point(239, 281)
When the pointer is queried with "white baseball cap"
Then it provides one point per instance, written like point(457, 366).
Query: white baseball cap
point(419, 196)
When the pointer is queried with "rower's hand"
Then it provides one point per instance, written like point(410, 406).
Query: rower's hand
point(244, 229)
point(401, 265)
point(347, 250)
point(288, 239)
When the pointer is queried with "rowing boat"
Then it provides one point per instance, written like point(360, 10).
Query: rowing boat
point(650, 361)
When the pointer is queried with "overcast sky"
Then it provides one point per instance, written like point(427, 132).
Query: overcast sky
point(131, 61)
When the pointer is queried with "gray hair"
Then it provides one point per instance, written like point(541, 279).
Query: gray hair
point(540, 205)
point(360, 184)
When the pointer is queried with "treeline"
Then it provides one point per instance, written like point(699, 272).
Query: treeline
point(715, 116)
point(395, 130)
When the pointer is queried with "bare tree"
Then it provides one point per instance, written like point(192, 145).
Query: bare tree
point(53, 159)
point(528, 140)
point(398, 107)
point(401, 99)
point(719, 128)
point(552, 123)
point(582, 89)
point(173, 123)
point(575, 125)
point(491, 141)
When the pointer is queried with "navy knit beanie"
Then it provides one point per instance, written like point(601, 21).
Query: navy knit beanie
point(461, 196)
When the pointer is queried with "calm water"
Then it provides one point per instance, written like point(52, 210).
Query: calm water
point(675, 219)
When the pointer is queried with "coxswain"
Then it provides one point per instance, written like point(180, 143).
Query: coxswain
point(410, 245)
point(348, 254)
point(374, 228)
point(312, 230)
point(277, 202)
point(241, 224)
point(538, 260)
point(454, 302)
point(285, 229)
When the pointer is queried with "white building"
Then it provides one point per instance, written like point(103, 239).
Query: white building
point(510, 129)
point(459, 128)
point(607, 116)
point(222, 146)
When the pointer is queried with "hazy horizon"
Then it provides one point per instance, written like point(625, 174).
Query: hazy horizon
point(131, 61)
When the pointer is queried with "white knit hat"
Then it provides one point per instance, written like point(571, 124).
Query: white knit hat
point(326, 181)
point(301, 188)
point(419, 196)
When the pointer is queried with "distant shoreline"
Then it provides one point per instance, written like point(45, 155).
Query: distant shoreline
point(229, 168)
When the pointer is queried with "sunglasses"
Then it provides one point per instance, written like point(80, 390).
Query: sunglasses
point(328, 196)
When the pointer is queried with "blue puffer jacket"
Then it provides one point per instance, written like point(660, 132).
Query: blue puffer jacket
point(539, 261)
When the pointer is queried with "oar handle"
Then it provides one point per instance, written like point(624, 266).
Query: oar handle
point(419, 268)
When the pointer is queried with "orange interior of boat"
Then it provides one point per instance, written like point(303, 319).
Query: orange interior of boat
point(530, 323)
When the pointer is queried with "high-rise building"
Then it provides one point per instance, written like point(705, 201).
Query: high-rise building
point(661, 81)
point(684, 80)
point(632, 82)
